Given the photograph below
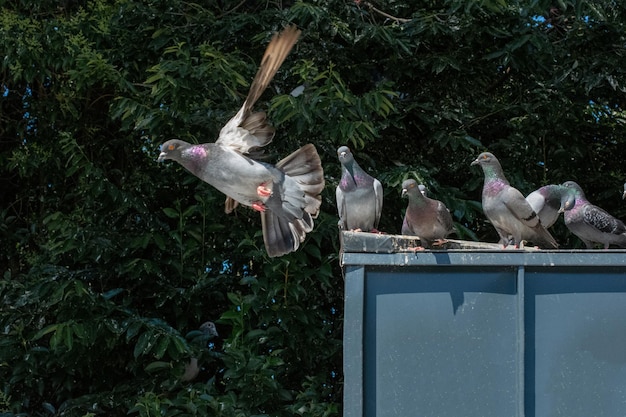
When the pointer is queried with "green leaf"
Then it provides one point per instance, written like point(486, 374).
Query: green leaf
point(171, 213)
point(158, 366)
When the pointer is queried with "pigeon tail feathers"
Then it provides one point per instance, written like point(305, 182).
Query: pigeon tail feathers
point(291, 212)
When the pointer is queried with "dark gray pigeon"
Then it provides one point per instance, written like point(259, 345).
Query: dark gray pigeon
point(549, 201)
point(426, 218)
point(359, 195)
point(287, 195)
point(507, 209)
point(592, 224)
point(202, 336)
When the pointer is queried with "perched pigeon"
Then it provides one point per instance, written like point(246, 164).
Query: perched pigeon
point(287, 195)
point(427, 218)
point(507, 209)
point(592, 224)
point(205, 333)
point(549, 201)
point(359, 195)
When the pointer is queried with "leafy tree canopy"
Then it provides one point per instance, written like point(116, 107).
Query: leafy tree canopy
point(111, 261)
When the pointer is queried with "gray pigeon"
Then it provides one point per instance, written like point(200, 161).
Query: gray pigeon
point(507, 209)
point(592, 224)
point(206, 332)
point(359, 195)
point(287, 195)
point(549, 201)
point(427, 218)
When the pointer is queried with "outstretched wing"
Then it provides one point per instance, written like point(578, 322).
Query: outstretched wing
point(248, 132)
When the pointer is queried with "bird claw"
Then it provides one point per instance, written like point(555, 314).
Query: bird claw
point(416, 248)
point(439, 242)
point(263, 191)
point(259, 206)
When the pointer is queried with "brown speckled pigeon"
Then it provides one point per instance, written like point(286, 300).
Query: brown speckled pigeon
point(359, 195)
point(549, 201)
point(591, 223)
point(427, 218)
point(507, 209)
point(288, 194)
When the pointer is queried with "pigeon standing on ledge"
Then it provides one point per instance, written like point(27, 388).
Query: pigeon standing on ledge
point(426, 218)
point(549, 201)
point(359, 196)
point(591, 223)
point(287, 195)
point(506, 208)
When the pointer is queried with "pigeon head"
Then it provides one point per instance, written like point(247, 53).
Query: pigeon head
point(576, 190)
point(568, 200)
point(344, 155)
point(411, 189)
point(486, 159)
point(172, 150)
point(208, 328)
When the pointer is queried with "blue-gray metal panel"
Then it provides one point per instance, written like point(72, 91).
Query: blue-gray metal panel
point(353, 341)
point(441, 343)
point(576, 321)
point(570, 313)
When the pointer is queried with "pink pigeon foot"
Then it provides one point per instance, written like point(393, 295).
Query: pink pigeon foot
point(416, 248)
point(263, 191)
point(258, 206)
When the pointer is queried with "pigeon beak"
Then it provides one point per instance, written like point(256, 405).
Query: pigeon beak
point(404, 191)
point(624, 195)
point(162, 157)
point(475, 162)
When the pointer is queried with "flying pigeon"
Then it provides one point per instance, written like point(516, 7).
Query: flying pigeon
point(359, 195)
point(592, 224)
point(427, 218)
point(549, 201)
point(288, 194)
point(507, 209)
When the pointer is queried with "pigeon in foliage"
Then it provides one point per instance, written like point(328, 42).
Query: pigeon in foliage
point(426, 218)
point(549, 201)
point(591, 223)
point(506, 208)
point(359, 195)
point(201, 337)
point(288, 194)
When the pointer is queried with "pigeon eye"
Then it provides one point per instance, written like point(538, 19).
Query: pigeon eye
point(171, 147)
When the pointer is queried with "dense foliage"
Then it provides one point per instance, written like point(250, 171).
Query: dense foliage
point(110, 261)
